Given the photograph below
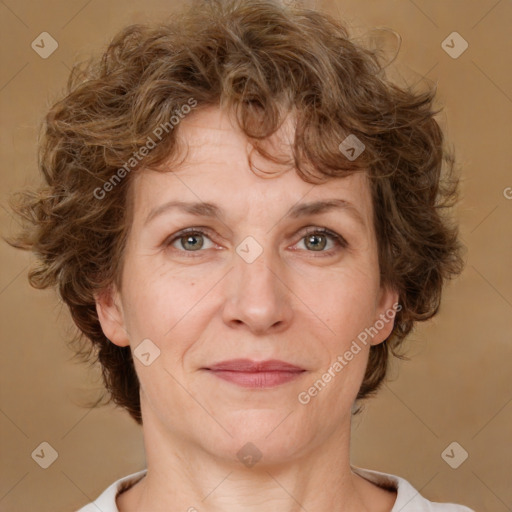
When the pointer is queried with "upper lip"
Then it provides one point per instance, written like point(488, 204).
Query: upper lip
point(250, 366)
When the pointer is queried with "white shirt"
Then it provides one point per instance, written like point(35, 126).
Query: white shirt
point(408, 498)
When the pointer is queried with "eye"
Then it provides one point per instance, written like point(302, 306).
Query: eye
point(189, 240)
point(316, 240)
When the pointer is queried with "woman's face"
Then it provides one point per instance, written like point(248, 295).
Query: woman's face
point(250, 283)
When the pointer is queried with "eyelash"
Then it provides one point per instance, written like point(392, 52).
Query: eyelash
point(339, 241)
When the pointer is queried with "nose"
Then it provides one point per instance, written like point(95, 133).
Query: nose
point(257, 295)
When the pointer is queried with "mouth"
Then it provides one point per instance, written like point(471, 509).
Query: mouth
point(255, 374)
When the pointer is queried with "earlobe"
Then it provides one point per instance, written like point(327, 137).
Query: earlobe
point(387, 308)
point(111, 317)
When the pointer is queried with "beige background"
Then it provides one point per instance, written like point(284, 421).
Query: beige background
point(457, 386)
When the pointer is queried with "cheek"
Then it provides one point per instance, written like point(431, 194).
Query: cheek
point(163, 306)
point(345, 300)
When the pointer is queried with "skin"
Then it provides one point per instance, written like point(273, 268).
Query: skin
point(293, 303)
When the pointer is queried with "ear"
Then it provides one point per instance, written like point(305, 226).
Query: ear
point(386, 309)
point(111, 316)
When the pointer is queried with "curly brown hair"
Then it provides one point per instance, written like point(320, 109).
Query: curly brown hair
point(262, 59)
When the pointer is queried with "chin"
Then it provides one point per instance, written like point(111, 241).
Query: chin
point(260, 438)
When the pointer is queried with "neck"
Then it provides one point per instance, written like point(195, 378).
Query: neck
point(183, 476)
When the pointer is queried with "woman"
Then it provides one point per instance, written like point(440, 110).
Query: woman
point(243, 217)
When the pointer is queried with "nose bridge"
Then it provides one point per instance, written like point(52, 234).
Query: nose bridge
point(257, 297)
point(255, 268)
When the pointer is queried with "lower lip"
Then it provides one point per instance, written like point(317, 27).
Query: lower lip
point(257, 379)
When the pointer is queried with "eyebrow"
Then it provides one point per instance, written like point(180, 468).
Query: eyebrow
point(205, 209)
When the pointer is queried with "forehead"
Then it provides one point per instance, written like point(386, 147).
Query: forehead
point(215, 169)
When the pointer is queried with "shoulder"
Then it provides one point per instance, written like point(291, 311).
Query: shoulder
point(106, 501)
point(408, 498)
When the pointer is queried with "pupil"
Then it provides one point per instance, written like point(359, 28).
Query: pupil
point(313, 239)
point(193, 245)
